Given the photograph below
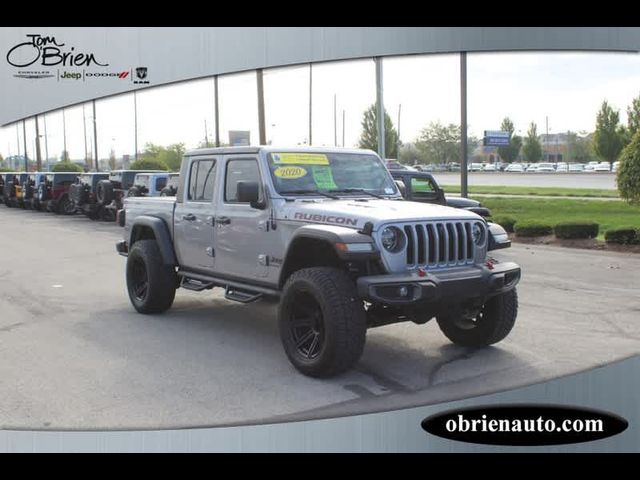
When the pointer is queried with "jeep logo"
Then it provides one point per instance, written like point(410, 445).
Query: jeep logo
point(318, 218)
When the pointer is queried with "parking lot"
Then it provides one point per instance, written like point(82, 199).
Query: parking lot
point(74, 354)
point(571, 180)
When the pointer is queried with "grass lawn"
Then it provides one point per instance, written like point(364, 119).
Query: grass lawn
point(606, 213)
point(548, 191)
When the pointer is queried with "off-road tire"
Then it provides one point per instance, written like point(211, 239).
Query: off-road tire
point(494, 323)
point(65, 206)
point(343, 320)
point(134, 192)
point(104, 192)
point(161, 279)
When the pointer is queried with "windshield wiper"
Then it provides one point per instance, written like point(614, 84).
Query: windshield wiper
point(355, 190)
point(308, 192)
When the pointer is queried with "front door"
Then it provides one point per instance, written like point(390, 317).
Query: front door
point(193, 218)
point(244, 235)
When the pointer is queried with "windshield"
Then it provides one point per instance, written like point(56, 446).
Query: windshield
point(327, 172)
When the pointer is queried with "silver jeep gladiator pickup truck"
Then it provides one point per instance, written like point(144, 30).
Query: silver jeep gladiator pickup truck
point(327, 234)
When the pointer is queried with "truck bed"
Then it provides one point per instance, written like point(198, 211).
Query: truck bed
point(160, 207)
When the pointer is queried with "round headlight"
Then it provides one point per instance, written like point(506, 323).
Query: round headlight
point(392, 239)
point(477, 232)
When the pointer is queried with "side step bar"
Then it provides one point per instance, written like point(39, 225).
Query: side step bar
point(232, 293)
point(237, 291)
point(195, 284)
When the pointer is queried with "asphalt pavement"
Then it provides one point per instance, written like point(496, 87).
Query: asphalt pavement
point(74, 354)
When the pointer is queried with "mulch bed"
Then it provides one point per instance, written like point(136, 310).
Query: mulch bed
point(588, 244)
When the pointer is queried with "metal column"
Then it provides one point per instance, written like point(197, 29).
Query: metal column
point(310, 104)
point(24, 139)
point(216, 114)
point(261, 121)
point(380, 108)
point(95, 137)
point(463, 125)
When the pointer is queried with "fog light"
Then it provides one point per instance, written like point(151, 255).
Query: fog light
point(403, 291)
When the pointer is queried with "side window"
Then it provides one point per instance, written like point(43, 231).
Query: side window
point(241, 170)
point(161, 183)
point(421, 185)
point(201, 180)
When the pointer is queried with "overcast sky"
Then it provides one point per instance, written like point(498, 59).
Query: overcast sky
point(568, 88)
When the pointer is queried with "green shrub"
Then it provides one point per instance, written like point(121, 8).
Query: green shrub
point(623, 235)
point(532, 229)
point(505, 222)
point(67, 167)
point(5, 169)
point(571, 230)
point(149, 164)
point(628, 175)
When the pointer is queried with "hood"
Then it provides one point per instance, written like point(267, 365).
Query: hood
point(355, 213)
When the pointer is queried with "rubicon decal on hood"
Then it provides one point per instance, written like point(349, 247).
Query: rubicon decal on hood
point(316, 217)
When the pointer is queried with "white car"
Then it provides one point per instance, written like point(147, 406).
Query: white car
point(475, 167)
point(576, 167)
point(590, 167)
point(614, 167)
point(545, 168)
point(602, 167)
point(514, 167)
point(562, 167)
point(532, 167)
point(490, 167)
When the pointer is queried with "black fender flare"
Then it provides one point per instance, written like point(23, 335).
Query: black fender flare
point(161, 234)
point(331, 235)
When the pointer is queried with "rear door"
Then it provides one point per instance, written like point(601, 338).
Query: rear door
point(194, 216)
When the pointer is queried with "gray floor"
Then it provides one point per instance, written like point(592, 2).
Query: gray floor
point(568, 180)
point(75, 355)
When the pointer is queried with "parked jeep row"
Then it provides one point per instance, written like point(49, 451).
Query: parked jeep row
point(97, 195)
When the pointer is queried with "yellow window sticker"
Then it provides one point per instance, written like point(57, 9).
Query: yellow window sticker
point(290, 173)
point(300, 158)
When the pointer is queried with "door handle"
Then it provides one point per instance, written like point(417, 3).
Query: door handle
point(223, 220)
point(190, 217)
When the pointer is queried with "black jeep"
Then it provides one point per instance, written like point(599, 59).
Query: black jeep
point(422, 187)
point(112, 191)
point(83, 194)
point(2, 175)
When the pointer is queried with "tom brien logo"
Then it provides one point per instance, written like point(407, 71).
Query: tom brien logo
point(40, 52)
point(47, 51)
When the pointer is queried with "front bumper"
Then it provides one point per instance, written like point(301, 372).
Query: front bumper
point(457, 284)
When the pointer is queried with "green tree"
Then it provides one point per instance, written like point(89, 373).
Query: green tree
point(510, 152)
point(439, 143)
point(170, 156)
point(67, 167)
point(369, 135)
point(532, 149)
point(149, 164)
point(608, 139)
point(633, 117)
point(628, 176)
point(409, 154)
point(579, 147)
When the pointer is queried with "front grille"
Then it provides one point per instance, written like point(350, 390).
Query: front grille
point(439, 244)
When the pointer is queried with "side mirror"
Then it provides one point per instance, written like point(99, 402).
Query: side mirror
point(498, 237)
point(249, 192)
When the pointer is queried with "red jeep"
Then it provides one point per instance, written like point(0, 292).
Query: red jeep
point(53, 193)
